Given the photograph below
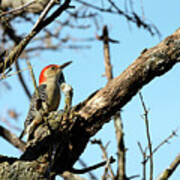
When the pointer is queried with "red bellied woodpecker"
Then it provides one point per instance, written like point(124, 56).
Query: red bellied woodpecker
point(47, 99)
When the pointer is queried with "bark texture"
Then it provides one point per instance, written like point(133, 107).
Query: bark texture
point(60, 140)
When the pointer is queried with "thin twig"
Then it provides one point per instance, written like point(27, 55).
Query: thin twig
point(4, 76)
point(133, 17)
point(121, 170)
point(105, 175)
point(143, 152)
point(133, 177)
point(95, 141)
point(174, 133)
point(33, 78)
point(21, 79)
point(148, 135)
point(96, 166)
point(91, 175)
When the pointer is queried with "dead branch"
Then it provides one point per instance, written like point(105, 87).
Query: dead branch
point(146, 119)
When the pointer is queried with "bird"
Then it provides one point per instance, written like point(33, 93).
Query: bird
point(47, 99)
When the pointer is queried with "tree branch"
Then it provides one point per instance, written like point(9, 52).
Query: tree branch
point(105, 156)
point(143, 152)
point(70, 176)
point(165, 141)
point(17, 9)
point(13, 36)
point(121, 151)
point(12, 138)
point(91, 175)
point(24, 5)
point(88, 117)
point(21, 79)
point(17, 50)
point(96, 166)
point(148, 136)
point(169, 171)
point(150, 64)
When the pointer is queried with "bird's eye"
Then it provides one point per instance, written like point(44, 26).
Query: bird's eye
point(53, 67)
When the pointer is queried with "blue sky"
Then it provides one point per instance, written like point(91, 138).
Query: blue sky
point(85, 75)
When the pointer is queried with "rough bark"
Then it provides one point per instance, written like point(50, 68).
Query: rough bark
point(60, 141)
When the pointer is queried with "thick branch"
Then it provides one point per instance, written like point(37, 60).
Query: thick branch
point(150, 64)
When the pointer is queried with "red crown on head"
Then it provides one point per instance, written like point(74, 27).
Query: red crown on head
point(42, 78)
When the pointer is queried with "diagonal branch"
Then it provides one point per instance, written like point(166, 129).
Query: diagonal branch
point(17, 50)
point(44, 13)
point(22, 81)
point(169, 171)
point(150, 64)
point(12, 138)
point(165, 141)
point(91, 175)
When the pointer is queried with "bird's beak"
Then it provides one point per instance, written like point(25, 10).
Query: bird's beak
point(65, 64)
